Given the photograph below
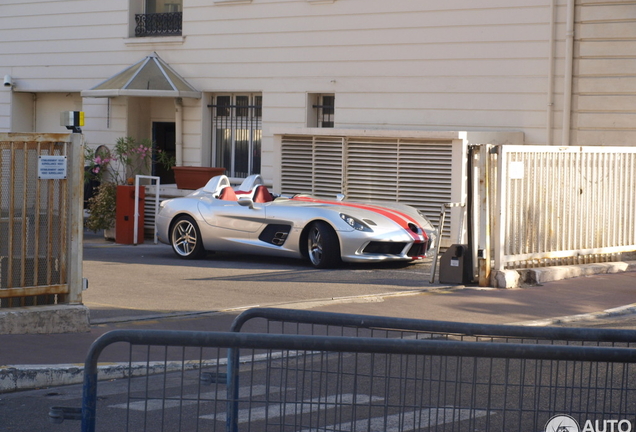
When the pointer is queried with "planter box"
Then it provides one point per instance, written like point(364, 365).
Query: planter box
point(188, 177)
point(125, 215)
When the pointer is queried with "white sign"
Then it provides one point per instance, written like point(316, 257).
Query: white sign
point(52, 167)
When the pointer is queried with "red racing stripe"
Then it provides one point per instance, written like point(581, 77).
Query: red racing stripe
point(398, 217)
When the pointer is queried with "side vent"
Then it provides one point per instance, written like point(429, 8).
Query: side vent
point(275, 234)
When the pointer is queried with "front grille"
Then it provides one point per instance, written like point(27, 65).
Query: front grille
point(418, 249)
point(385, 248)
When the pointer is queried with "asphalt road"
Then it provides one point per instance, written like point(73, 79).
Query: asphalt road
point(150, 279)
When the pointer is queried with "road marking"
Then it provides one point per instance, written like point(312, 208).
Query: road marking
point(279, 410)
point(408, 421)
point(191, 399)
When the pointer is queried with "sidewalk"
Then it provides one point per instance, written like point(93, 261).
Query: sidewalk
point(32, 361)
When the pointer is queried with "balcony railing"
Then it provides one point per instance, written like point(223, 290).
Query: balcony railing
point(158, 24)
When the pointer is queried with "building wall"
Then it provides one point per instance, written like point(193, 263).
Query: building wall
point(22, 111)
point(393, 65)
point(605, 73)
point(48, 107)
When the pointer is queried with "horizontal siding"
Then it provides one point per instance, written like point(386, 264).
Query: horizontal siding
point(5, 112)
point(413, 64)
point(597, 137)
point(605, 83)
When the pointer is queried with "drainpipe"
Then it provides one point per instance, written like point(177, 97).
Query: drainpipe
point(569, 60)
point(550, 101)
point(178, 131)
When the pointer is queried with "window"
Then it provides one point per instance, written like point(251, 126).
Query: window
point(236, 133)
point(160, 18)
point(321, 112)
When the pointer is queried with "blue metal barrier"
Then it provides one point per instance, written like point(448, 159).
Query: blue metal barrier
point(292, 321)
point(335, 383)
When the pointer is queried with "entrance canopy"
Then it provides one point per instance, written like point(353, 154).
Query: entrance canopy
point(150, 77)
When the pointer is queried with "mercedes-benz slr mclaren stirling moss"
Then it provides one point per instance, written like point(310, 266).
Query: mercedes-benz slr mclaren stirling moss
point(253, 221)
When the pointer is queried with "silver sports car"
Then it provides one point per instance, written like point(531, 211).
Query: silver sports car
point(252, 220)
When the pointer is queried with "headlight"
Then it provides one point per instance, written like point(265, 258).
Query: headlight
point(355, 223)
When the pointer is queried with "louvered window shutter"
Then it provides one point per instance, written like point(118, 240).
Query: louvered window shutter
point(411, 171)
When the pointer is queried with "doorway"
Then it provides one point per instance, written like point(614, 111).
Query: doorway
point(163, 138)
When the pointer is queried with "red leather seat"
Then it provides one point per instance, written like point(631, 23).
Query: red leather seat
point(262, 195)
point(228, 194)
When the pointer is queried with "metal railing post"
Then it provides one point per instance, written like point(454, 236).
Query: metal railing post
point(75, 249)
point(136, 221)
point(232, 389)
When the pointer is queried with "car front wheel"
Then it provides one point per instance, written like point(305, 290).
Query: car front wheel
point(323, 247)
point(185, 238)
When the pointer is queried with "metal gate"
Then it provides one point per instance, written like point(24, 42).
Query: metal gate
point(37, 219)
point(538, 206)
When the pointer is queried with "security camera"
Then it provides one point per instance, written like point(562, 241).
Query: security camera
point(8, 81)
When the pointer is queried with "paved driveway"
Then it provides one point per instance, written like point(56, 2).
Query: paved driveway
point(150, 279)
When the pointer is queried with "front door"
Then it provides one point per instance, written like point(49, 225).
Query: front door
point(163, 138)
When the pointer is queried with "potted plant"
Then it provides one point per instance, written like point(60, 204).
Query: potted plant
point(113, 172)
point(190, 177)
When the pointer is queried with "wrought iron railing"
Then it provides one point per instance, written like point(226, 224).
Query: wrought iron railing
point(325, 112)
point(158, 24)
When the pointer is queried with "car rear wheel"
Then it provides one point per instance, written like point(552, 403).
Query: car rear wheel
point(185, 238)
point(323, 247)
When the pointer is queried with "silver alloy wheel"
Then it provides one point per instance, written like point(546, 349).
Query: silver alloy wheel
point(315, 245)
point(184, 238)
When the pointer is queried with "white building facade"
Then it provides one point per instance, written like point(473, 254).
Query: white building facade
point(561, 72)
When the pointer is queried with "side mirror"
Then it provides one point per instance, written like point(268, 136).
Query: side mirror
point(246, 202)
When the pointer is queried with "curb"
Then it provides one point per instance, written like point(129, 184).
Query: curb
point(27, 377)
point(537, 276)
point(45, 319)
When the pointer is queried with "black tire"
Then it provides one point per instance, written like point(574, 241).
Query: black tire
point(185, 238)
point(323, 247)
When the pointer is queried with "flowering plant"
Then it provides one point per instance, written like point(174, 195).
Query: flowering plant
point(128, 159)
point(107, 169)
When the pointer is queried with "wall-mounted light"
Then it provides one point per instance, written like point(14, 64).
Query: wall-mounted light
point(8, 81)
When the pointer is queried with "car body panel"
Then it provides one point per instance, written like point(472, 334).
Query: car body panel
point(385, 231)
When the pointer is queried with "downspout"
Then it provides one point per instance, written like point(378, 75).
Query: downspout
point(550, 101)
point(569, 60)
point(178, 131)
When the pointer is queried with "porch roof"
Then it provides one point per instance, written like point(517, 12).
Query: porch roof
point(150, 77)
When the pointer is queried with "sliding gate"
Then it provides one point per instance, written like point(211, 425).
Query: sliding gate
point(539, 206)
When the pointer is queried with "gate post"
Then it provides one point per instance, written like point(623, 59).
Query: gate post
point(483, 247)
point(76, 209)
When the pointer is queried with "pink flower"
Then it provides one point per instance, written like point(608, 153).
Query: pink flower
point(96, 170)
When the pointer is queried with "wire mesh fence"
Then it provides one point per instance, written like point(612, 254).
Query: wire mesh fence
point(184, 381)
point(34, 220)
